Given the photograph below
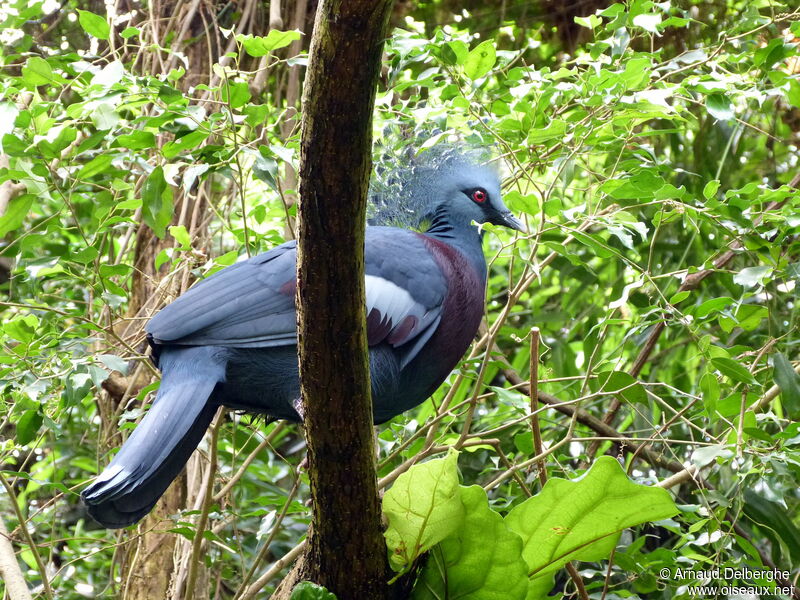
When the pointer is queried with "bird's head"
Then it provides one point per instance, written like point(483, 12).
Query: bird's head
point(442, 187)
point(465, 192)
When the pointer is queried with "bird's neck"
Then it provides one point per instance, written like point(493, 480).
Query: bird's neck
point(462, 235)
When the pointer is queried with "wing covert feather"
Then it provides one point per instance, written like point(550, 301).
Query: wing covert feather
point(251, 303)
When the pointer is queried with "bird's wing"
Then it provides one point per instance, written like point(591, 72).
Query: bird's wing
point(405, 290)
point(251, 304)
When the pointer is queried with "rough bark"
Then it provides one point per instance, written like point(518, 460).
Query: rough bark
point(346, 551)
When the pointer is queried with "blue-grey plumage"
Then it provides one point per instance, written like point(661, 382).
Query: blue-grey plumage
point(231, 339)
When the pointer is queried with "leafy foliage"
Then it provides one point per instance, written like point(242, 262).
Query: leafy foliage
point(478, 554)
point(654, 157)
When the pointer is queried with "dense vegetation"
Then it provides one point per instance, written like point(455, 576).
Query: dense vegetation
point(652, 150)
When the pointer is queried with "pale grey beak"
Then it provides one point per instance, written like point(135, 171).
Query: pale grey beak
point(512, 222)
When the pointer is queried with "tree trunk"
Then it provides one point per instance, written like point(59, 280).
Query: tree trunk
point(346, 550)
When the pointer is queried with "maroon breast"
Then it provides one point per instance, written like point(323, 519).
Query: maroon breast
point(462, 309)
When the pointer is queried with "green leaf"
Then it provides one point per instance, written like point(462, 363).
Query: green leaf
point(112, 73)
point(15, 214)
point(181, 236)
point(8, 114)
point(648, 22)
point(169, 94)
point(719, 107)
point(53, 149)
point(455, 52)
point(129, 32)
point(157, 202)
point(636, 186)
point(137, 140)
point(114, 362)
point(184, 143)
point(423, 507)
point(637, 73)
point(14, 146)
point(748, 317)
point(704, 455)
point(480, 561)
point(594, 243)
point(480, 60)
point(305, 590)
point(94, 25)
point(105, 117)
point(787, 379)
point(752, 276)
point(592, 21)
point(237, 93)
point(712, 306)
point(163, 257)
point(773, 516)
point(733, 370)
point(771, 53)
point(624, 386)
point(95, 166)
point(583, 519)
point(679, 297)
point(265, 168)
point(28, 426)
point(710, 189)
point(261, 46)
point(22, 329)
point(709, 386)
point(554, 130)
point(37, 71)
point(85, 255)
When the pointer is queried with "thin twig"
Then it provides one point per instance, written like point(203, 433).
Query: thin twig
point(273, 571)
point(533, 394)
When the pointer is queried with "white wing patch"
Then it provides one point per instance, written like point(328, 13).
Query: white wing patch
point(395, 317)
point(389, 298)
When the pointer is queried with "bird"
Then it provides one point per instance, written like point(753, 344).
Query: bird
point(231, 339)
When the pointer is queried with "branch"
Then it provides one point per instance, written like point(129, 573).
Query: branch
point(335, 164)
point(598, 426)
point(202, 521)
point(16, 588)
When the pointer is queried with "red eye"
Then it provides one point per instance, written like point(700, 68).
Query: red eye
point(479, 196)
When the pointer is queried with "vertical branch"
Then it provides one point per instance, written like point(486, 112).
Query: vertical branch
point(533, 390)
point(338, 98)
point(538, 447)
point(208, 498)
point(12, 576)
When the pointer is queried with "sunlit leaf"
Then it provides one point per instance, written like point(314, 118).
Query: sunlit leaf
point(479, 561)
point(94, 25)
point(157, 202)
point(583, 519)
point(480, 60)
point(423, 507)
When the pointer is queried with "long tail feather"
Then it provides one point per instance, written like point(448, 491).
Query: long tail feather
point(160, 445)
